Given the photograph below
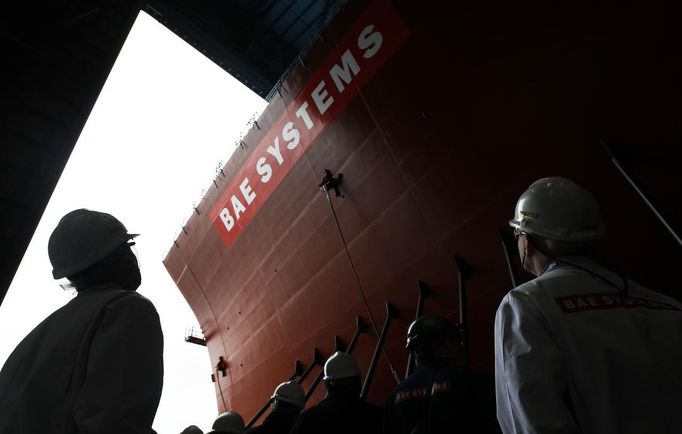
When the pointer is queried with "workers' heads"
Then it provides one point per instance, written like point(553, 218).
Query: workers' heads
point(556, 217)
point(434, 339)
point(288, 396)
point(90, 247)
point(342, 374)
point(192, 429)
point(229, 422)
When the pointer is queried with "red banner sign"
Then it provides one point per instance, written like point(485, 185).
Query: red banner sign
point(372, 39)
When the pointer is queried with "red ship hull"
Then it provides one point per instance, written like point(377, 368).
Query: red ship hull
point(436, 134)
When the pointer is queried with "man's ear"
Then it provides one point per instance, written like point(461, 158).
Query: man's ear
point(529, 245)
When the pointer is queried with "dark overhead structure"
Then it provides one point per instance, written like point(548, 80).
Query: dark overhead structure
point(58, 55)
point(254, 40)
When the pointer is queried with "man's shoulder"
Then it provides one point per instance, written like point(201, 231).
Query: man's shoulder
point(372, 408)
point(117, 296)
point(311, 416)
point(113, 302)
point(553, 282)
point(419, 376)
point(260, 429)
point(522, 295)
point(638, 290)
point(132, 297)
point(415, 387)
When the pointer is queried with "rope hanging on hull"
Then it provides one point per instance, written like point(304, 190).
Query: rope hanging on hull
point(329, 182)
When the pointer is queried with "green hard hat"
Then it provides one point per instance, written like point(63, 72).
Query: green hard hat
point(428, 326)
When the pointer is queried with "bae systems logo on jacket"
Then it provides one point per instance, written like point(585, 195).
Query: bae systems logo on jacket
point(423, 392)
point(602, 301)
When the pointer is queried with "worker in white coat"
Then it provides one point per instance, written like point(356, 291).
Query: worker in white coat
point(96, 364)
point(580, 349)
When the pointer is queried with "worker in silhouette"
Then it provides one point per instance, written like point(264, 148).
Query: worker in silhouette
point(342, 411)
point(229, 422)
point(441, 396)
point(192, 429)
point(96, 364)
point(287, 402)
point(580, 349)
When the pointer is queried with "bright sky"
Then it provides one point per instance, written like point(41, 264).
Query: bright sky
point(165, 119)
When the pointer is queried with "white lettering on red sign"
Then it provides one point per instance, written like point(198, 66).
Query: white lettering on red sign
point(372, 39)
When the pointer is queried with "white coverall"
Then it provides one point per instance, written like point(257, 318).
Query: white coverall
point(93, 366)
point(573, 356)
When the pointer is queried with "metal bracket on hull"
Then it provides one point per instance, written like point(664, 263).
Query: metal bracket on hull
point(298, 370)
point(360, 327)
point(221, 366)
point(338, 345)
point(317, 360)
point(331, 182)
point(641, 191)
point(464, 274)
point(259, 413)
point(423, 292)
point(509, 248)
point(316, 383)
point(391, 313)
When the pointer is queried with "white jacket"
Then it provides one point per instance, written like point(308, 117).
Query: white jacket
point(574, 356)
point(93, 366)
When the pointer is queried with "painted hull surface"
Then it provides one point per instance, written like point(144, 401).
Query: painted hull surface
point(438, 119)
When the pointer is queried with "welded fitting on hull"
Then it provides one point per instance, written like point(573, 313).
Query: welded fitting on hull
point(331, 183)
point(221, 366)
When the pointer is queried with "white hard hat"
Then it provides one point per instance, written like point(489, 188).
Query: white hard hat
point(82, 238)
point(558, 209)
point(339, 366)
point(290, 392)
point(229, 422)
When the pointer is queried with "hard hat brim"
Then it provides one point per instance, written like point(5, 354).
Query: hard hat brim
point(62, 273)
